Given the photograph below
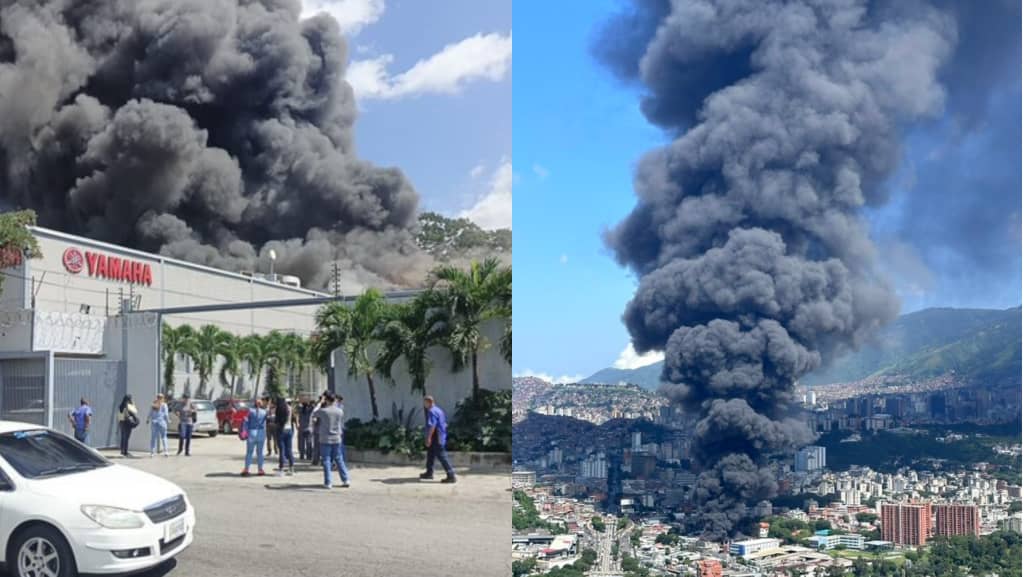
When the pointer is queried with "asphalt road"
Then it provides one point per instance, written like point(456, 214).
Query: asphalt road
point(388, 524)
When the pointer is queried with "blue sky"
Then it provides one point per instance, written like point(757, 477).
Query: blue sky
point(433, 82)
point(577, 134)
point(950, 235)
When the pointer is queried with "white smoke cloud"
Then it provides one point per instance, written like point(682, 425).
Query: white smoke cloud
point(629, 359)
point(352, 15)
point(561, 380)
point(494, 209)
point(481, 57)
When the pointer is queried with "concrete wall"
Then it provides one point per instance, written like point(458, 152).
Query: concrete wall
point(446, 387)
point(139, 333)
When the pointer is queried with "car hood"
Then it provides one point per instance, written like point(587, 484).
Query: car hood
point(114, 486)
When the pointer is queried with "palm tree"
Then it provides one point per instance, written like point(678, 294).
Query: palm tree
point(256, 352)
point(296, 359)
point(174, 341)
point(232, 354)
point(207, 344)
point(353, 330)
point(409, 330)
point(471, 298)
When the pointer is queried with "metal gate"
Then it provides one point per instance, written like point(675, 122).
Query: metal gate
point(102, 383)
point(23, 390)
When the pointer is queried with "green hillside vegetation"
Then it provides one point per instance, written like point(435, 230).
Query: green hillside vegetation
point(446, 237)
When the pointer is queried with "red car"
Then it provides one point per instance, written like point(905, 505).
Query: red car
point(230, 414)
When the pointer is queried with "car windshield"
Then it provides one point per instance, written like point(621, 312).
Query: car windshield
point(242, 404)
point(202, 405)
point(43, 453)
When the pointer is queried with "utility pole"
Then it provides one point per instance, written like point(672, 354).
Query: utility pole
point(337, 279)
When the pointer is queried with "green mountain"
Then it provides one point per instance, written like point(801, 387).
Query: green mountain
point(452, 238)
point(977, 345)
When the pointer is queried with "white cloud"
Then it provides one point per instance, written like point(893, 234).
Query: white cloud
point(352, 15)
point(494, 209)
point(564, 259)
point(478, 57)
point(541, 172)
point(477, 171)
point(550, 378)
point(628, 359)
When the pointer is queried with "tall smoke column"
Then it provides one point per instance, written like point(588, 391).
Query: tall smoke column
point(754, 266)
point(210, 130)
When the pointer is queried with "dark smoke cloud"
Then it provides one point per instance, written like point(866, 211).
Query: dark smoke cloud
point(209, 130)
point(755, 264)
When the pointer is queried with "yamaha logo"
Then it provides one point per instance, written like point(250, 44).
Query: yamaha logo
point(74, 260)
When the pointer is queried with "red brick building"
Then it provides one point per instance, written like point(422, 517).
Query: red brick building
point(953, 519)
point(709, 568)
point(906, 523)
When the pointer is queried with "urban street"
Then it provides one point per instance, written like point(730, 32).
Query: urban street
point(387, 523)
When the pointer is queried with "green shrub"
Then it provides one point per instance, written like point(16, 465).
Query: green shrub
point(396, 435)
point(483, 423)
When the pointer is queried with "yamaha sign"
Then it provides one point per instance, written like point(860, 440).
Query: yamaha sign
point(108, 267)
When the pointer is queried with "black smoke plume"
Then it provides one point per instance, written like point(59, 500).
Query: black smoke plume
point(754, 263)
point(209, 130)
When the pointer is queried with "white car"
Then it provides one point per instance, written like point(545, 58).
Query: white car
point(65, 509)
point(206, 418)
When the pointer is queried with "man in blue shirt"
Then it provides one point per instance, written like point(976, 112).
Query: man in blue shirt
point(80, 419)
point(436, 438)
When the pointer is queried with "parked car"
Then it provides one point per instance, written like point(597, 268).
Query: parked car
point(206, 417)
point(68, 510)
point(230, 413)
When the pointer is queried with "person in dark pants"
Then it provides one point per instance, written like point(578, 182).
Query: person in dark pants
point(436, 438)
point(316, 438)
point(80, 419)
point(186, 423)
point(306, 430)
point(272, 430)
point(127, 419)
point(285, 432)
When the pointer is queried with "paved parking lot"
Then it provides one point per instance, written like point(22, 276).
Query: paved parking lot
point(387, 524)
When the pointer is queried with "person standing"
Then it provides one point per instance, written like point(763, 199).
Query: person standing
point(255, 425)
point(436, 438)
point(127, 419)
point(306, 430)
point(81, 419)
point(284, 420)
point(271, 427)
point(321, 402)
point(330, 423)
point(186, 424)
point(157, 419)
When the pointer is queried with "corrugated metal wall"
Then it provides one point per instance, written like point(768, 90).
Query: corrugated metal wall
point(102, 383)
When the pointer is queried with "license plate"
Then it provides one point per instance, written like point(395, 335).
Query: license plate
point(174, 529)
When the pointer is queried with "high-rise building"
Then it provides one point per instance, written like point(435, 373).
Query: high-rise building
point(952, 519)
point(709, 568)
point(523, 479)
point(906, 523)
point(810, 459)
point(614, 483)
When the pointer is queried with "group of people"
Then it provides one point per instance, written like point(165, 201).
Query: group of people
point(318, 427)
point(158, 420)
point(273, 419)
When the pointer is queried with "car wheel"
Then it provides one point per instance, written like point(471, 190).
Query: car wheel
point(213, 434)
point(41, 551)
point(225, 427)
